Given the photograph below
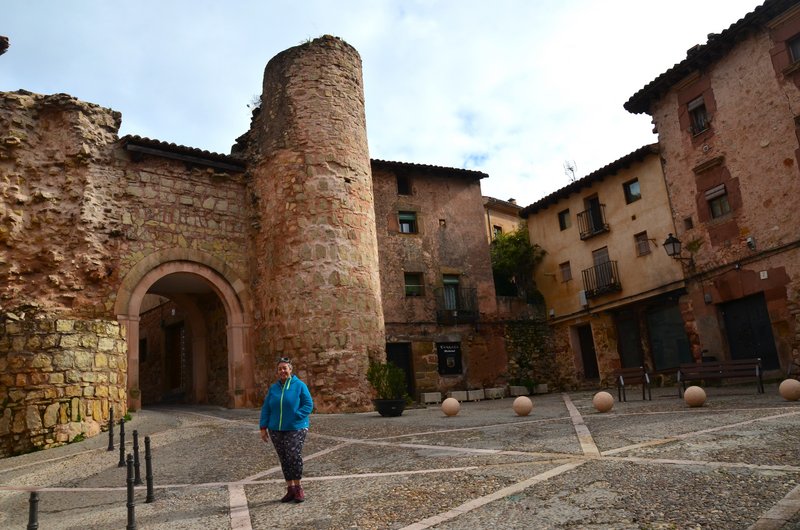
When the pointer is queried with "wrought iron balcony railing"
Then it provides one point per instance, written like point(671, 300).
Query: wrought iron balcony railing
point(593, 221)
point(601, 279)
point(456, 305)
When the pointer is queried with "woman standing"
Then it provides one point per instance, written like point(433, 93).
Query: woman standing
point(284, 420)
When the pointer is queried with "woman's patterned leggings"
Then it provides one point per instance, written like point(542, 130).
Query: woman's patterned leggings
point(289, 446)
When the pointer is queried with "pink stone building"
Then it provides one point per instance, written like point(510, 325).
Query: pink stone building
point(136, 271)
point(727, 119)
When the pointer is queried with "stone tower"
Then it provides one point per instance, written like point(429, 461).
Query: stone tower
point(316, 255)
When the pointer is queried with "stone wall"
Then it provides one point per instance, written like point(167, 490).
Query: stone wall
point(532, 355)
point(58, 379)
point(318, 288)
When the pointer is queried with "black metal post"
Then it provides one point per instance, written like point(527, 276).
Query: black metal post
point(137, 476)
point(111, 428)
point(33, 511)
point(148, 470)
point(131, 513)
point(121, 443)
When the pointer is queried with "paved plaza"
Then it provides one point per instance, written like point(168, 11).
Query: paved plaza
point(734, 463)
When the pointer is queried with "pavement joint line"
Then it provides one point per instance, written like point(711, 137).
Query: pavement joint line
point(462, 429)
point(779, 515)
point(486, 499)
point(701, 463)
point(312, 456)
point(324, 478)
point(238, 508)
point(581, 430)
point(679, 437)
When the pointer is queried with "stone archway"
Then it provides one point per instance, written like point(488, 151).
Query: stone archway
point(242, 391)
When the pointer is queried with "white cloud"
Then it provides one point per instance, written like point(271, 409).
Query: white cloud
point(510, 87)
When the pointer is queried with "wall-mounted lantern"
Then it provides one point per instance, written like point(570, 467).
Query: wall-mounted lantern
point(672, 246)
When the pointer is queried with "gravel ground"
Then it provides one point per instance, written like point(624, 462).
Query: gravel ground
point(739, 457)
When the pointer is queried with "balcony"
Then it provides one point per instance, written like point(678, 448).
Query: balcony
point(593, 221)
point(601, 279)
point(456, 305)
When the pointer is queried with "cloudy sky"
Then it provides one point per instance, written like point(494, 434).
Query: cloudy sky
point(514, 88)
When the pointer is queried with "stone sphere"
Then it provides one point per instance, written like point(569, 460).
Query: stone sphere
point(451, 406)
point(694, 396)
point(523, 405)
point(790, 390)
point(603, 401)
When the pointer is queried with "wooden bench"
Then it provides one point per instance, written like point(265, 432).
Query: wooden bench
point(632, 376)
point(720, 370)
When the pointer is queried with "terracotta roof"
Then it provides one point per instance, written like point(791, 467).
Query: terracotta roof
point(498, 204)
point(700, 56)
point(591, 178)
point(141, 144)
point(450, 171)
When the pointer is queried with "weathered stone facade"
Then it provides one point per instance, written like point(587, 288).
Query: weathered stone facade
point(204, 268)
point(59, 378)
point(727, 120)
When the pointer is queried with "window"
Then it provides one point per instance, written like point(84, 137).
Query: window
point(642, 243)
point(496, 231)
point(450, 285)
point(794, 49)
point(403, 185)
point(688, 223)
point(563, 219)
point(408, 222)
point(566, 271)
point(632, 192)
point(414, 284)
point(717, 198)
point(698, 116)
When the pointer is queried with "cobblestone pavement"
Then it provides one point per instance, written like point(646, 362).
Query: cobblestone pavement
point(734, 463)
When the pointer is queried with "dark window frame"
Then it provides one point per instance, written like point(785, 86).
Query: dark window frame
point(408, 222)
point(414, 284)
point(627, 188)
point(564, 221)
point(566, 271)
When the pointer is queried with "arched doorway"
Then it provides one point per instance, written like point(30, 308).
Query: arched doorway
point(183, 285)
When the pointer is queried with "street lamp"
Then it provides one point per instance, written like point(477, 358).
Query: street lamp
point(672, 246)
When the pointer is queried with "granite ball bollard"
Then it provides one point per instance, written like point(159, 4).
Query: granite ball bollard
point(603, 401)
point(523, 405)
point(789, 389)
point(694, 396)
point(451, 406)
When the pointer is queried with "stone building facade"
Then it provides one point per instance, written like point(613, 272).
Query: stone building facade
point(137, 271)
point(439, 303)
point(727, 120)
point(611, 292)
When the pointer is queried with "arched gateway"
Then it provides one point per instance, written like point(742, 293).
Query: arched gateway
point(210, 271)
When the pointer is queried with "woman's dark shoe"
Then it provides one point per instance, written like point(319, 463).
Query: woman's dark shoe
point(299, 494)
point(291, 493)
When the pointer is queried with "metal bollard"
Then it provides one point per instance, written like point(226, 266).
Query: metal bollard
point(148, 470)
point(137, 476)
point(111, 429)
point(33, 511)
point(121, 443)
point(131, 513)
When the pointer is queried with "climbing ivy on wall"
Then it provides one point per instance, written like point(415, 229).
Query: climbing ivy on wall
point(513, 261)
point(531, 355)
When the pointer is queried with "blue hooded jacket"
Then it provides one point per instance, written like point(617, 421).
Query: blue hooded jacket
point(286, 406)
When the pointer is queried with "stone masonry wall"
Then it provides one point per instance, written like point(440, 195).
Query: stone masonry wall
point(58, 379)
point(318, 285)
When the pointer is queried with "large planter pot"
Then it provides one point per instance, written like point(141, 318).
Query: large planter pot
point(389, 407)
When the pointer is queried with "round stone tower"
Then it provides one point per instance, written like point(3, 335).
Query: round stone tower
point(318, 287)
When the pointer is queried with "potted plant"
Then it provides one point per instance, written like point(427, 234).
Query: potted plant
point(389, 382)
